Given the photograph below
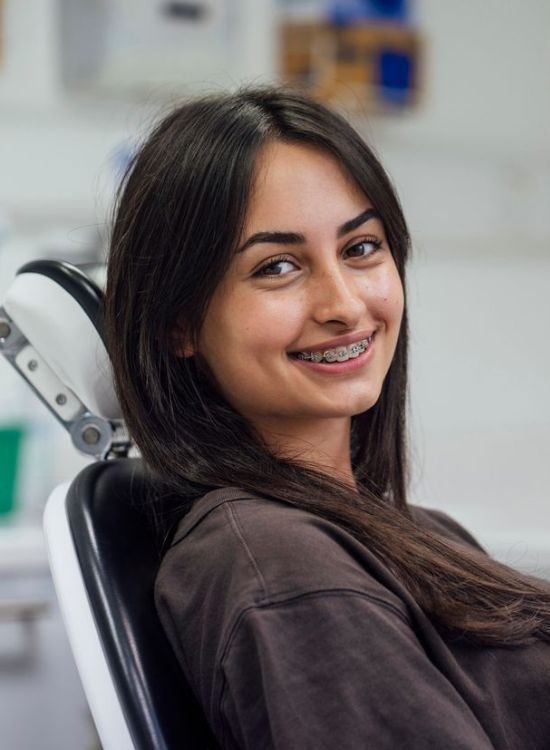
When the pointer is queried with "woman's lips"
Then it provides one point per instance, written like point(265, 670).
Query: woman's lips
point(350, 338)
point(339, 368)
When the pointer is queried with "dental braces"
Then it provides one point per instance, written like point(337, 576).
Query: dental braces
point(334, 356)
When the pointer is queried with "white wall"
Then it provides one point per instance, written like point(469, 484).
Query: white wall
point(473, 169)
point(473, 172)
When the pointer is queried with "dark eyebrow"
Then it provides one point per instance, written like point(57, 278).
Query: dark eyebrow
point(282, 238)
point(294, 238)
point(349, 226)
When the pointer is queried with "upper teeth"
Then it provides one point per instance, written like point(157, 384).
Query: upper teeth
point(339, 353)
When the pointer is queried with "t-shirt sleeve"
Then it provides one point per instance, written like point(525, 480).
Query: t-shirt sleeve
point(337, 670)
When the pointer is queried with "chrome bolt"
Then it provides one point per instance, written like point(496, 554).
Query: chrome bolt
point(5, 329)
point(91, 435)
point(61, 399)
point(32, 364)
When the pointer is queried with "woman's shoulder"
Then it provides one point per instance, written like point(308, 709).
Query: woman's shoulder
point(250, 550)
point(220, 510)
point(235, 552)
point(442, 523)
point(263, 550)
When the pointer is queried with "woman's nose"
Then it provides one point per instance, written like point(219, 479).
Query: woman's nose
point(337, 296)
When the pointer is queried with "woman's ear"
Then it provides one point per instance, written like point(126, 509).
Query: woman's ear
point(181, 344)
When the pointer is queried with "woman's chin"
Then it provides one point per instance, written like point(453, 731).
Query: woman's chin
point(349, 408)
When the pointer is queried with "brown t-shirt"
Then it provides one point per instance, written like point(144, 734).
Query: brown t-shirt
point(294, 636)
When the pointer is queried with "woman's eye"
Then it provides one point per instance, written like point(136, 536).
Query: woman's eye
point(365, 248)
point(273, 268)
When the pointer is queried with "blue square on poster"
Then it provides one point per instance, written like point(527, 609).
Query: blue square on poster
point(342, 12)
point(395, 75)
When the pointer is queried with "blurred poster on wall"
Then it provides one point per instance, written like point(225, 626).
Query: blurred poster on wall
point(139, 44)
point(363, 54)
point(163, 40)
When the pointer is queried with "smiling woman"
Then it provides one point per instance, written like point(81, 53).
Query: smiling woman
point(257, 324)
point(337, 285)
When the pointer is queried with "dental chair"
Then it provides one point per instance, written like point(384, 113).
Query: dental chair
point(103, 550)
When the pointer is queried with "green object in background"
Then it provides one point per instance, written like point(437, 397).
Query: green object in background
point(10, 442)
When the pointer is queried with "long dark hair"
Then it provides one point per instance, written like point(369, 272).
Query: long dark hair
point(180, 210)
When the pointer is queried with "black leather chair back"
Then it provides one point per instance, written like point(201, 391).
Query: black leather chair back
point(119, 556)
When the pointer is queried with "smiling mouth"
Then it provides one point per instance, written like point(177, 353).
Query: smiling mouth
point(337, 354)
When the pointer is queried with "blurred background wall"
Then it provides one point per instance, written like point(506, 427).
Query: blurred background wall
point(80, 82)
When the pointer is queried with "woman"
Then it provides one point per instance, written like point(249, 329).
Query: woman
point(257, 322)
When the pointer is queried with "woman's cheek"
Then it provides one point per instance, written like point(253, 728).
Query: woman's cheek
point(389, 292)
point(280, 320)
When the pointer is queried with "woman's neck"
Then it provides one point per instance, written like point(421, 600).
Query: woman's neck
point(322, 444)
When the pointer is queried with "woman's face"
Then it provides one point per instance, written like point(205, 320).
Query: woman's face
point(314, 272)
